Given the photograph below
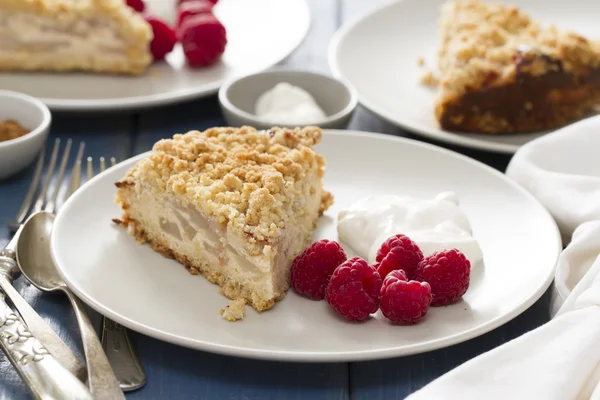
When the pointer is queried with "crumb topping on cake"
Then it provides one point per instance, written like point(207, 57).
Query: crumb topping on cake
point(481, 41)
point(247, 179)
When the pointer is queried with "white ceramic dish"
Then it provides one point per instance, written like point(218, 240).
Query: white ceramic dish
point(30, 113)
point(142, 290)
point(238, 96)
point(378, 54)
point(260, 34)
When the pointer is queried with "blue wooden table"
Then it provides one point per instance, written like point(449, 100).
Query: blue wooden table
point(178, 373)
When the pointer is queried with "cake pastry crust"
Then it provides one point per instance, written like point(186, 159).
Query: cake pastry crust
point(235, 205)
point(502, 72)
point(101, 36)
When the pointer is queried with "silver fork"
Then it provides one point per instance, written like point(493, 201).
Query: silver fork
point(45, 362)
point(9, 269)
point(115, 340)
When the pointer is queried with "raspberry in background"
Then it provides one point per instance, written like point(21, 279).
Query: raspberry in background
point(353, 290)
point(402, 301)
point(203, 39)
point(398, 252)
point(190, 8)
point(448, 272)
point(137, 5)
point(164, 37)
point(313, 267)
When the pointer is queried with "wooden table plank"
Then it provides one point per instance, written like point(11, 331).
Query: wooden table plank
point(156, 124)
point(104, 136)
point(175, 372)
point(312, 53)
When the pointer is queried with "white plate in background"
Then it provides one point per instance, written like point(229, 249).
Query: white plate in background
point(260, 34)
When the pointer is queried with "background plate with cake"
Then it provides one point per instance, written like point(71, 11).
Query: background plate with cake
point(485, 74)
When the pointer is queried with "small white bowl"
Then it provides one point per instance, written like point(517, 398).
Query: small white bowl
point(238, 96)
point(32, 114)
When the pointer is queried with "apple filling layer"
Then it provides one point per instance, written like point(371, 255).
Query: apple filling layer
point(28, 32)
point(203, 246)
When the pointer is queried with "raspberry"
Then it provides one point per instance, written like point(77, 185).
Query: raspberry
point(203, 39)
point(353, 291)
point(190, 8)
point(398, 252)
point(404, 302)
point(312, 269)
point(448, 272)
point(164, 38)
point(137, 5)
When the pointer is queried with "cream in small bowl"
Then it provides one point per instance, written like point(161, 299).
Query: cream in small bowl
point(24, 126)
point(287, 104)
point(287, 98)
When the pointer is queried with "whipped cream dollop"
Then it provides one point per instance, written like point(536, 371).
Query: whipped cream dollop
point(434, 224)
point(287, 104)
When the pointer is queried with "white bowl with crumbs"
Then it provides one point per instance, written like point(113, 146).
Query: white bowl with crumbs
point(24, 126)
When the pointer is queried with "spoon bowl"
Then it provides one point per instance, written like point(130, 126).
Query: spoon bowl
point(33, 253)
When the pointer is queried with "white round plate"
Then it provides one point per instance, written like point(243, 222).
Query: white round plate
point(148, 293)
point(379, 53)
point(260, 34)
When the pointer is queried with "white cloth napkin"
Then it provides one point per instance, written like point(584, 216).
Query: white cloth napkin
point(562, 170)
point(558, 361)
point(561, 359)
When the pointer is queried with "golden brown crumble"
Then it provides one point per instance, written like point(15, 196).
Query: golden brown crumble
point(11, 130)
point(480, 41)
point(421, 61)
point(234, 311)
point(250, 180)
point(135, 32)
point(429, 78)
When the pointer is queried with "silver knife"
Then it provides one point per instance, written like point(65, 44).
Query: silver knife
point(44, 376)
point(36, 325)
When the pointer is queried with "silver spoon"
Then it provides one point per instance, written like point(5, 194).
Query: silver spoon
point(36, 263)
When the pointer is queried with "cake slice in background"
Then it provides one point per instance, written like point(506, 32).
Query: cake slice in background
point(101, 36)
point(502, 72)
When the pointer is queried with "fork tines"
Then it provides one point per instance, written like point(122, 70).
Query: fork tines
point(54, 182)
point(44, 201)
